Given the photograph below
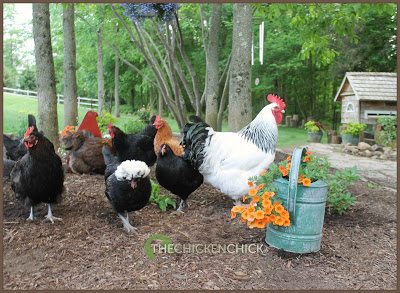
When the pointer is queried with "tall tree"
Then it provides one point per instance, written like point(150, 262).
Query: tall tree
point(116, 86)
point(45, 75)
point(70, 86)
point(100, 69)
point(240, 106)
point(212, 69)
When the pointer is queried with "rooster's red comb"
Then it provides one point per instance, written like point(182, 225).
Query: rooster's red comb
point(109, 126)
point(275, 99)
point(29, 131)
point(158, 118)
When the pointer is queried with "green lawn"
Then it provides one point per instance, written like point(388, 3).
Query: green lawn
point(16, 108)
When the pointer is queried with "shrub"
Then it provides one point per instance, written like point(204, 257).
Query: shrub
point(163, 201)
point(133, 126)
point(313, 126)
point(388, 135)
point(104, 120)
point(144, 114)
point(354, 128)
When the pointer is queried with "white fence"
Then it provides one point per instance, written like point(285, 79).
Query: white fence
point(84, 102)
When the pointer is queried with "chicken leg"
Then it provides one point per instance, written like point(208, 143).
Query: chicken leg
point(50, 217)
point(30, 218)
point(125, 221)
point(182, 206)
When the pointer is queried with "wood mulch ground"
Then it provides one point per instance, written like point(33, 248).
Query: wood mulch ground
point(90, 250)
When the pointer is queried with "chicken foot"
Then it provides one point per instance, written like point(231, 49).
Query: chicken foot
point(50, 217)
point(30, 218)
point(127, 225)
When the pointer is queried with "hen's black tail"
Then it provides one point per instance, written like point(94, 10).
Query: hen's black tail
point(31, 120)
point(194, 137)
point(110, 161)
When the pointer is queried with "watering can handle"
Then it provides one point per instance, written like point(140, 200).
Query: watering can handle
point(293, 177)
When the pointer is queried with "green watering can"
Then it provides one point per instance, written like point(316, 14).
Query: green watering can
point(306, 207)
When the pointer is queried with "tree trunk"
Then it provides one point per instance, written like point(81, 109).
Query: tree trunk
point(45, 75)
point(116, 86)
point(70, 86)
point(212, 48)
point(160, 104)
point(100, 74)
point(240, 107)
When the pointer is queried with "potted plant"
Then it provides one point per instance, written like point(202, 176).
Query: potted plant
point(351, 132)
point(289, 199)
point(314, 130)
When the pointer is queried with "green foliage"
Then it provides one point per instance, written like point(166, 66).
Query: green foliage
point(27, 79)
point(312, 126)
point(104, 120)
point(339, 198)
point(354, 128)
point(163, 201)
point(388, 135)
point(144, 114)
point(133, 126)
point(126, 109)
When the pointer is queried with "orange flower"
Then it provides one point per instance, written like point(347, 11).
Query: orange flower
point(288, 166)
point(307, 159)
point(256, 199)
point(279, 208)
point(259, 215)
point(279, 221)
point(289, 158)
point(251, 225)
point(233, 214)
point(301, 177)
point(244, 216)
point(268, 194)
point(285, 214)
point(259, 224)
point(251, 209)
point(308, 153)
point(272, 218)
point(260, 186)
point(268, 210)
point(251, 216)
point(267, 204)
point(244, 198)
point(263, 172)
point(267, 220)
point(238, 209)
point(286, 222)
point(69, 129)
point(250, 183)
point(252, 192)
point(306, 181)
point(283, 170)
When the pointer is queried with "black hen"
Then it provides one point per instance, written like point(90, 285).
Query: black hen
point(38, 176)
point(15, 149)
point(110, 160)
point(177, 175)
point(128, 188)
point(132, 146)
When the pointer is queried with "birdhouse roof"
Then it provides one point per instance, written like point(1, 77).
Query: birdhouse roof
point(369, 86)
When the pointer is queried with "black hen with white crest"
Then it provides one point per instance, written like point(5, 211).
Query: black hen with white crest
point(128, 188)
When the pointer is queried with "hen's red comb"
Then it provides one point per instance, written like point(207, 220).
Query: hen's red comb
point(29, 131)
point(109, 126)
point(275, 99)
point(158, 118)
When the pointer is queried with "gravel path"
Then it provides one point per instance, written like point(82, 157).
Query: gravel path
point(378, 171)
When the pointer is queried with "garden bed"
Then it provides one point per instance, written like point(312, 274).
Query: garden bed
point(89, 249)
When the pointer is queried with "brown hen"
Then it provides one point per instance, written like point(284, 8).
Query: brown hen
point(164, 136)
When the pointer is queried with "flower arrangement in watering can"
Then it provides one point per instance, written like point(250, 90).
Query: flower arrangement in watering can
point(289, 199)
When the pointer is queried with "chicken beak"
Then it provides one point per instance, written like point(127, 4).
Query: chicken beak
point(283, 111)
point(133, 183)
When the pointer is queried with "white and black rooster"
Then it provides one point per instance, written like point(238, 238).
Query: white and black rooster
point(228, 159)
